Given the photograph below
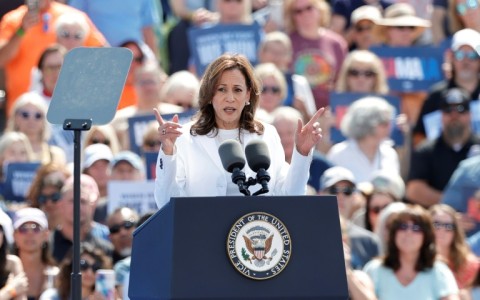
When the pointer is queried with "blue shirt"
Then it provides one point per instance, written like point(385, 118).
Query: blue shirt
point(120, 21)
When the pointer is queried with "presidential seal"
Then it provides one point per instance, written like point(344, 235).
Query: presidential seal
point(259, 246)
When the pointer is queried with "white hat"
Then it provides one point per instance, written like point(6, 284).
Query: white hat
point(366, 12)
point(30, 214)
point(402, 14)
point(388, 182)
point(466, 37)
point(96, 152)
point(335, 174)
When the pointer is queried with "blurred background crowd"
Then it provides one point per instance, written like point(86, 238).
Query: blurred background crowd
point(403, 162)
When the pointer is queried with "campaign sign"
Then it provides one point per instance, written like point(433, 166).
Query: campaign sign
point(411, 69)
point(339, 103)
point(433, 121)
point(18, 180)
point(151, 163)
point(137, 195)
point(208, 43)
point(137, 126)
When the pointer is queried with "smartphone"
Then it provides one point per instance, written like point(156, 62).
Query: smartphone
point(33, 6)
point(105, 283)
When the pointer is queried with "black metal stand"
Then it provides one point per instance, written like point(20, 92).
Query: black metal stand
point(76, 277)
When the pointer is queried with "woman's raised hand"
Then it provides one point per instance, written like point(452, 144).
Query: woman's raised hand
point(309, 135)
point(169, 132)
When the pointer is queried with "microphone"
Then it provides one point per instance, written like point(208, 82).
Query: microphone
point(233, 161)
point(259, 161)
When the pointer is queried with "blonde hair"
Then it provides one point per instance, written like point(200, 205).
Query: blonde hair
point(269, 69)
point(321, 5)
point(276, 37)
point(7, 139)
point(363, 57)
point(181, 80)
point(108, 132)
point(37, 101)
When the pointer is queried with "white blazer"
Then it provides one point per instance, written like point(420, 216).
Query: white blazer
point(195, 169)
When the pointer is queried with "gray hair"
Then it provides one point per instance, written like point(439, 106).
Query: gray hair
point(69, 19)
point(364, 115)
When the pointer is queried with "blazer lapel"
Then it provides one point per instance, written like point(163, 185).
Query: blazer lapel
point(209, 145)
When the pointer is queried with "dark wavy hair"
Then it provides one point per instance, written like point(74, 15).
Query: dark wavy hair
point(4, 250)
point(418, 215)
point(205, 117)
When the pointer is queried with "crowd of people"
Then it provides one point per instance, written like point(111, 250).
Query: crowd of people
point(402, 162)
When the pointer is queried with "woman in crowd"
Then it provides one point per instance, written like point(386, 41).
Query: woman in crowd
point(44, 192)
point(409, 269)
point(228, 101)
point(181, 89)
point(71, 30)
point(102, 134)
point(91, 260)
point(28, 115)
point(362, 72)
point(32, 247)
point(452, 247)
point(318, 52)
point(367, 125)
point(274, 87)
point(14, 147)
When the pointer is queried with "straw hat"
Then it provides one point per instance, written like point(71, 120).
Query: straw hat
point(403, 14)
point(366, 12)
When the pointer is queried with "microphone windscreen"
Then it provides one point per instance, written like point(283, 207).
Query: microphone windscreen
point(257, 155)
point(231, 154)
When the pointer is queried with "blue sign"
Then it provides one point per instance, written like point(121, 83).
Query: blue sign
point(208, 43)
point(18, 180)
point(411, 69)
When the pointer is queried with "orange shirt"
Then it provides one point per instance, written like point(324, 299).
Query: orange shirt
point(35, 40)
point(129, 96)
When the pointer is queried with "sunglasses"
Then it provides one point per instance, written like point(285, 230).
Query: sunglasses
point(84, 266)
point(447, 226)
point(24, 228)
point(459, 108)
point(98, 141)
point(271, 89)
point(463, 7)
point(411, 227)
point(117, 227)
point(411, 28)
point(461, 55)
point(67, 35)
point(42, 199)
point(299, 11)
point(26, 115)
point(152, 143)
point(363, 28)
point(357, 73)
point(52, 68)
point(347, 191)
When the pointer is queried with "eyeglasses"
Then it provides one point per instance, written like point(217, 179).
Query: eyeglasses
point(411, 28)
point(363, 28)
point(357, 73)
point(24, 228)
point(376, 209)
point(459, 108)
point(98, 141)
point(152, 143)
point(67, 35)
point(411, 227)
point(447, 226)
point(126, 225)
point(26, 115)
point(230, 1)
point(42, 199)
point(461, 55)
point(84, 266)
point(463, 7)
point(346, 190)
point(271, 89)
point(299, 11)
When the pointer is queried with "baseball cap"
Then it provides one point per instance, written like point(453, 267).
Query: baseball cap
point(130, 157)
point(334, 175)
point(388, 182)
point(455, 96)
point(30, 214)
point(366, 12)
point(466, 37)
point(96, 152)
